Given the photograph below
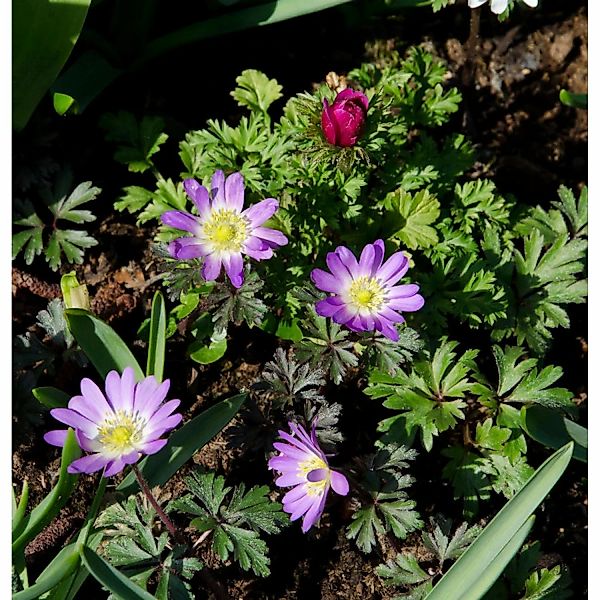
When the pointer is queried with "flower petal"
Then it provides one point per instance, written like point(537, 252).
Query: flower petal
point(317, 475)
point(258, 213)
point(211, 267)
point(217, 190)
point(56, 437)
point(314, 512)
point(186, 248)
point(88, 464)
point(393, 268)
point(114, 467)
point(181, 220)
point(410, 304)
point(272, 237)
point(74, 419)
point(326, 281)
point(153, 447)
point(234, 191)
point(198, 194)
point(329, 306)
point(234, 267)
point(339, 483)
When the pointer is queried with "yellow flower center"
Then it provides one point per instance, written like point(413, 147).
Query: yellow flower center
point(226, 230)
point(366, 293)
point(120, 432)
point(314, 488)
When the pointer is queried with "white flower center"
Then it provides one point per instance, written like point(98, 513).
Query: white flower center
point(366, 293)
point(314, 488)
point(226, 230)
point(121, 432)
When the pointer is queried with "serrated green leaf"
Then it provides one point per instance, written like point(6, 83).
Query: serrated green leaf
point(255, 90)
point(409, 217)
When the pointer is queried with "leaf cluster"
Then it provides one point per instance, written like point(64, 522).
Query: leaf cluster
point(235, 520)
point(141, 553)
point(45, 234)
point(383, 506)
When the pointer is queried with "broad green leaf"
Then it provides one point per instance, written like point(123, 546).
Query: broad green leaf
point(466, 579)
point(157, 338)
point(550, 428)
point(44, 512)
point(183, 444)
point(207, 353)
point(573, 100)
point(50, 397)
point(111, 578)
point(63, 565)
point(101, 344)
point(44, 34)
point(82, 80)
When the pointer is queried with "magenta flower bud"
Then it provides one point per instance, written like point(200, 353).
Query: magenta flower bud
point(343, 122)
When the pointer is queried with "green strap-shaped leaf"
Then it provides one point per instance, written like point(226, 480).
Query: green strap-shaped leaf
point(65, 563)
point(497, 566)
point(183, 444)
point(51, 397)
point(19, 511)
point(42, 514)
point(466, 579)
point(44, 33)
point(552, 429)
point(101, 344)
point(111, 578)
point(157, 337)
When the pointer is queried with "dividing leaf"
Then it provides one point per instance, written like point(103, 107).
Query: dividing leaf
point(236, 526)
point(409, 218)
point(255, 90)
point(138, 141)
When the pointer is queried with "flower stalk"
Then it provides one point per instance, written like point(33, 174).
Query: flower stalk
point(154, 502)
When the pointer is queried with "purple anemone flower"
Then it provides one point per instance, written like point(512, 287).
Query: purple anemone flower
point(302, 464)
point(119, 426)
point(365, 297)
point(223, 231)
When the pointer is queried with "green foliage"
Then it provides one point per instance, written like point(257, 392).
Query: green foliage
point(135, 545)
point(325, 344)
point(405, 571)
point(409, 218)
point(63, 206)
point(386, 355)
point(235, 523)
point(137, 140)
point(538, 280)
point(521, 382)
point(388, 508)
point(290, 381)
point(428, 397)
point(256, 91)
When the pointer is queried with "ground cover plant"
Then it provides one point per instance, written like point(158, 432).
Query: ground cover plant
point(315, 334)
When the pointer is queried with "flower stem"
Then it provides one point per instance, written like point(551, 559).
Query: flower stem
point(159, 511)
point(472, 45)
